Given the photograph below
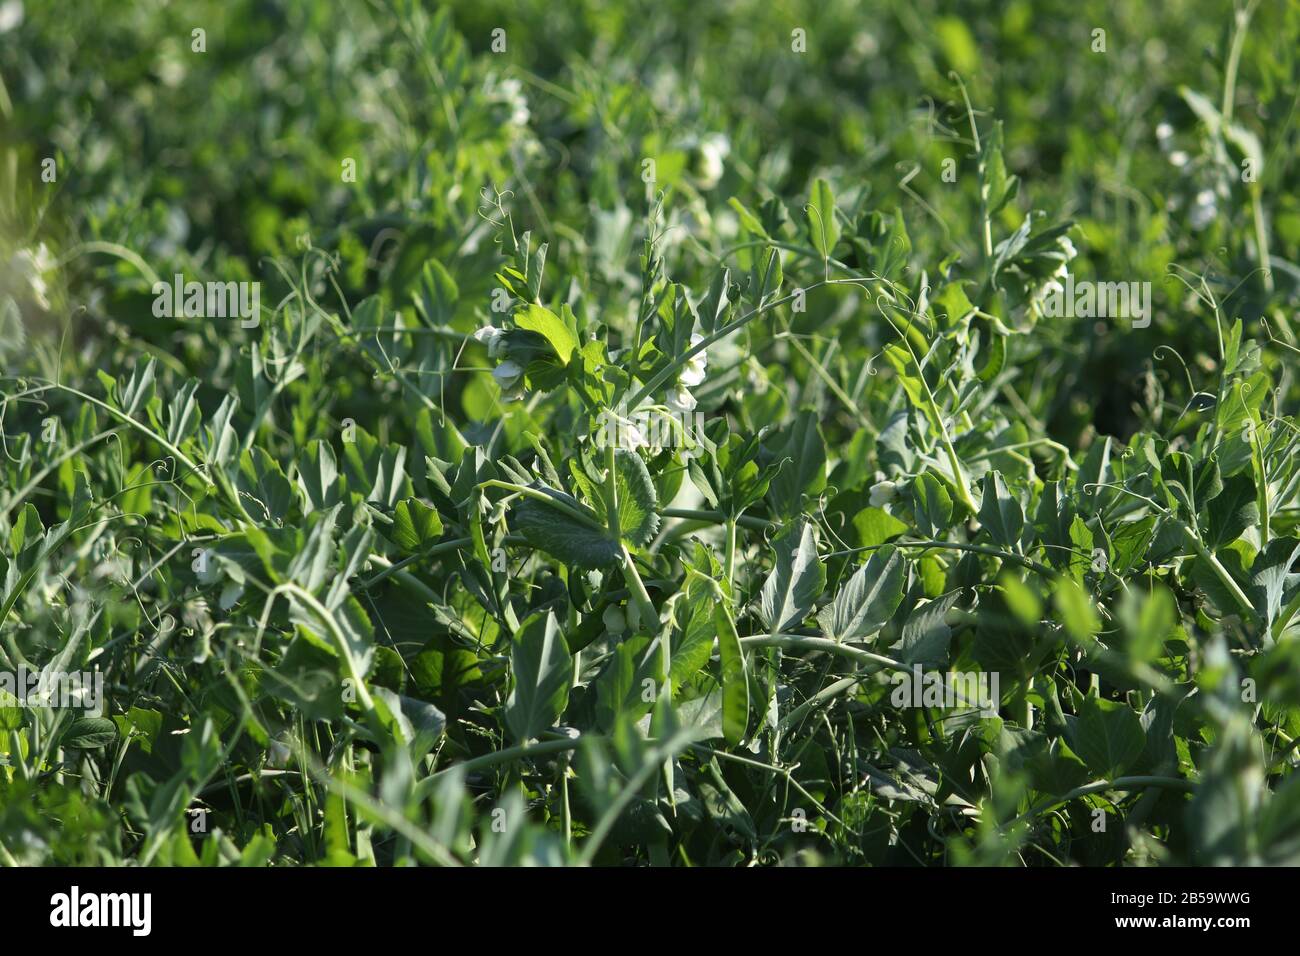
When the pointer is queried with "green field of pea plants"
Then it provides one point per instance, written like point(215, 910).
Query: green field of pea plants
point(649, 433)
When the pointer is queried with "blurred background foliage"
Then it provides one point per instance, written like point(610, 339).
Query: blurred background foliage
point(214, 162)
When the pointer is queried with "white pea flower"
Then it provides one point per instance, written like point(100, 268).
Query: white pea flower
point(11, 15)
point(620, 431)
point(1164, 133)
point(508, 375)
point(510, 92)
point(1178, 158)
point(679, 400)
point(492, 337)
point(694, 371)
point(714, 149)
point(29, 267)
point(1067, 247)
point(1203, 211)
point(278, 754)
point(883, 492)
point(614, 619)
point(633, 438)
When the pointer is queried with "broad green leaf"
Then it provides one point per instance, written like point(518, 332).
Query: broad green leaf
point(89, 733)
point(874, 526)
point(416, 526)
point(637, 500)
point(822, 225)
point(1273, 586)
point(143, 726)
point(748, 220)
point(694, 644)
point(868, 599)
point(555, 529)
point(1000, 514)
point(803, 466)
point(619, 689)
point(438, 294)
point(1148, 619)
point(933, 508)
point(1076, 610)
point(541, 669)
point(1021, 600)
point(539, 319)
point(561, 535)
point(926, 634)
point(910, 377)
point(318, 476)
point(768, 276)
point(1232, 512)
point(796, 581)
point(1107, 736)
point(261, 479)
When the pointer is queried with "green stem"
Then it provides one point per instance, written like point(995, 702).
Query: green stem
point(345, 651)
point(1220, 572)
point(1234, 60)
point(642, 596)
point(440, 548)
point(1101, 786)
point(587, 519)
point(517, 752)
point(717, 517)
point(731, 551)
point(1261, 238)
point(828, 646)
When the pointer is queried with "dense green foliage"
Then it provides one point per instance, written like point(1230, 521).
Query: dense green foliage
point(653, 441)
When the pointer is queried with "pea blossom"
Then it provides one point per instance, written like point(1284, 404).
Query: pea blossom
point(692, 374)
point(509, 376)
point(492, 337)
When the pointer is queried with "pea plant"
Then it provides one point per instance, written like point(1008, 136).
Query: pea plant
point(533, 460)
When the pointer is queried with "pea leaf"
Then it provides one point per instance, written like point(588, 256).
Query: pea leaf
point(747, 219)
point(803, 465)
point(1001, 514)
point(542, 668)
point(1234, 510)
point(795, 583)
point(1108, 736)
point(539, 319)
point(89, 733)
point(415, 525)
point(637, 500)
point(933, 507)
point(822, 227)
point(560, 534)
point(869, 598)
